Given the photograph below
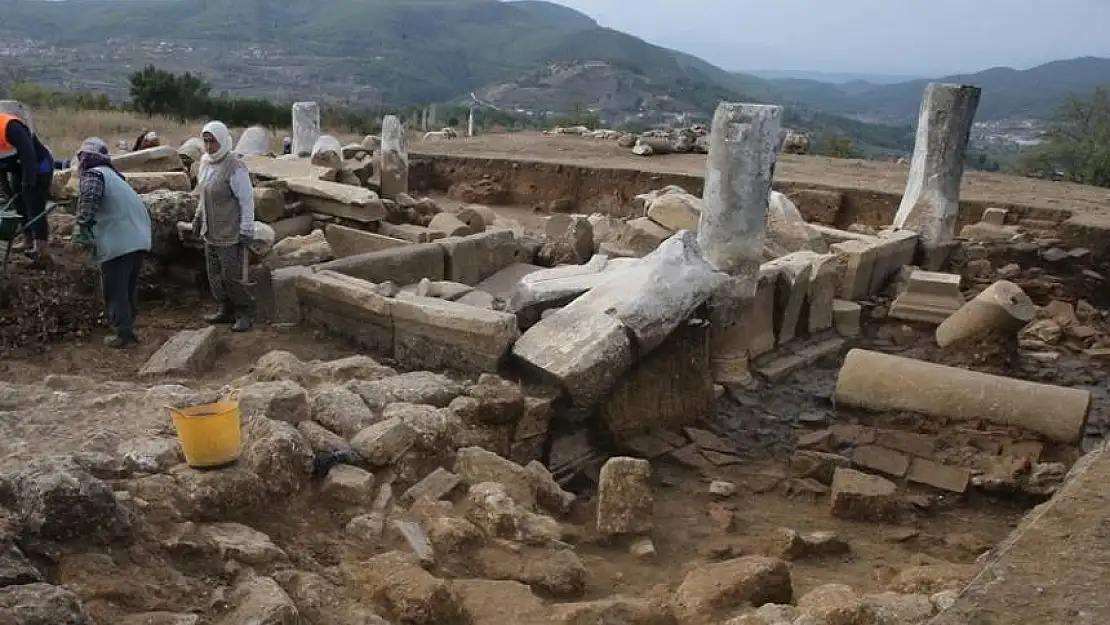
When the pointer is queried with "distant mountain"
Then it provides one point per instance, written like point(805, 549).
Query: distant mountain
point(836, 78)
point(1007, 93)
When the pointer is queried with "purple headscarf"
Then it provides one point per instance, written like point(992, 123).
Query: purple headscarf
point(94, 153)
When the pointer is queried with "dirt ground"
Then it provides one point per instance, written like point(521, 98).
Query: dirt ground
point(846, 173)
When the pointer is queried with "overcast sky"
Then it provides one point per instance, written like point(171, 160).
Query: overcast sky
point(919, 37)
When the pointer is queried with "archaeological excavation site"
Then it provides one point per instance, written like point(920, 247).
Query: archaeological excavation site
point(519, 380)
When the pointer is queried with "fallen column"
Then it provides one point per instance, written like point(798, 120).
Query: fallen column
point(395, 158)
point(306, 127)
point(254, 142)
point(1001, 309)
point(931, 203)
point(586, 346)
point(739, 169)
point(882, 382)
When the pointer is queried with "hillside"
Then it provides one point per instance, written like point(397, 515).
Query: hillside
point(1007, 93)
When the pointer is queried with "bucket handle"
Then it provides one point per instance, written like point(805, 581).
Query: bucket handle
point(232, 395)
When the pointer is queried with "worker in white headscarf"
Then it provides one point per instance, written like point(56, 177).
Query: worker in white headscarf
point(225, 222)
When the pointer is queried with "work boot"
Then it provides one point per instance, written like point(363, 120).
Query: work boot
point(119, 341)
point(242, 323)
point(225, 314)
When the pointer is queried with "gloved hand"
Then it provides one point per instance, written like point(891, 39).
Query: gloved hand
point(83, 238)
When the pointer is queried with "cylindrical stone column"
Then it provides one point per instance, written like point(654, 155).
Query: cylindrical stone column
point(743, 144)
point(306, 127)
point(882, 382)
point(931, 203)
point(1001, 308)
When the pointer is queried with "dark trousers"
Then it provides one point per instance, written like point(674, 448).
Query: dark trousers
point(119, 281)
point(34, 205)
point(227, 277)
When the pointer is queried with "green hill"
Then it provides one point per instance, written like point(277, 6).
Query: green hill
point(365, 52)
point(1007, 93)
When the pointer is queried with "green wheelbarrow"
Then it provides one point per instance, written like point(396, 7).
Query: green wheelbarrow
point(12, 225)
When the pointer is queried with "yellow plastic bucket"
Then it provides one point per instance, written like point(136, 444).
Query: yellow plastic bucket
point(209, 433)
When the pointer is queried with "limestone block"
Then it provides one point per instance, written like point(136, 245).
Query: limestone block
point(639, 237)
point(676, 211)
point(929, 297)
point(269, 204)
point(187, 352)
point(411, 232)
point(794, 272)
point(432, 333)
point(994, 216)
point(542, 289)
point(624, 497)
point(161, 158)
point(846, 318)
point(327, 152)
point(787, 232)
point(855, 264)
point(402, 265)
point(348, 307)
point(821, 293)
point(862, 497)
point(346, 241)
point(338, 200)
point(266, 168)
point(255, 141)
point(471, 259)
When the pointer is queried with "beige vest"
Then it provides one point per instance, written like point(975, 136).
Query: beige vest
point(219, 208)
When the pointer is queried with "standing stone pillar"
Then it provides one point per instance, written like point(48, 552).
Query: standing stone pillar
point(306, 127)
point(931, 203)
point(20, 110)
point(743, 142)
point(432, 116)
point(424, 119)
point(395, 158)
point(470, 123)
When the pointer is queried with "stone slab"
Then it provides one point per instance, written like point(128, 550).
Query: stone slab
point(345, 241)
point(402, 265)
point(279, 169)
point(431, 333)
point(1054, 567)
point(471, 259)
point(187, 352)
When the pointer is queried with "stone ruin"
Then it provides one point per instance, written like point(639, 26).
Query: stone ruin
point(625, 330)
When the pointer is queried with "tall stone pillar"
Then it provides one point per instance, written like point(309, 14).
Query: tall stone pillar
point(395, 158)
point(743, 142)
point(306, 127)
point(432, 116)
point(470, 123)
point(931, 203)
point(424, 119)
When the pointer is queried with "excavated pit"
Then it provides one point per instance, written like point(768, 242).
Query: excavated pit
point(339, 552)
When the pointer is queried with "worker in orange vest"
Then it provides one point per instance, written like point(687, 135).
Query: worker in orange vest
point(26, 168)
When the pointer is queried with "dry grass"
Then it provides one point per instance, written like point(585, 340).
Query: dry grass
point(64, 130)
